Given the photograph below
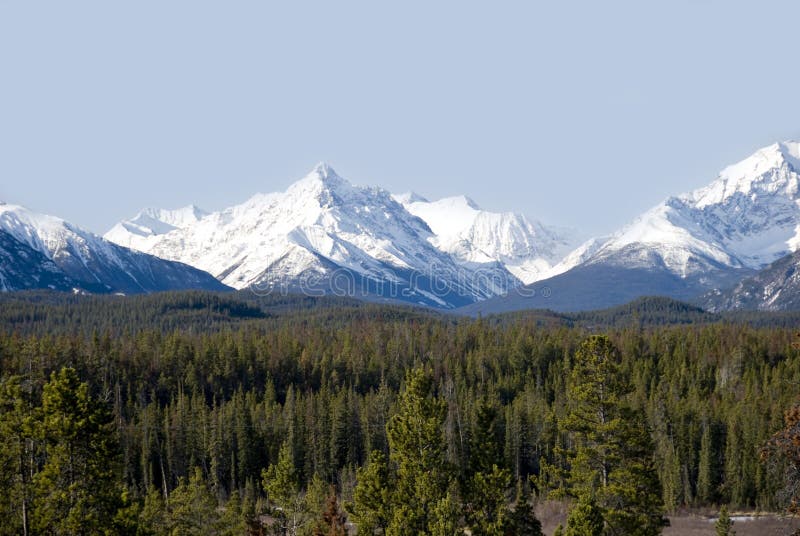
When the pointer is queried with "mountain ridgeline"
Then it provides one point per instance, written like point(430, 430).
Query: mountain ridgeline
point(45, 252)
point(451, 254)
point(725, 246)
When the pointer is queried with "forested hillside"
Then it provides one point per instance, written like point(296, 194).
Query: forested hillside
point(210, 411)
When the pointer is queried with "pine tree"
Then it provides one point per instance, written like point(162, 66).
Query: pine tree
point(612, 463)
point(317, 495)
point(283, 492)
point(488, 511)
point(522, 520)
point(153, 516)
point(485, 491)
point(585, 519)
point(234, 520)
point(420, 499)
point(77, 489)
point(724, 524)
point(705, 476)
point(192, 508)
point(372, 502)
point(16, 457)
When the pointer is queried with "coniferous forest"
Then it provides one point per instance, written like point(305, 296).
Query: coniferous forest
point(200, 413)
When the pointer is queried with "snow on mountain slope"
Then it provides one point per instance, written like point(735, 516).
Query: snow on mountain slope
point(527, 249)
point(710, 238)
point(22, 268)
point(150, 223)
point(322, 226)
point(774, 288)
point(93, 263)
point(746, 218)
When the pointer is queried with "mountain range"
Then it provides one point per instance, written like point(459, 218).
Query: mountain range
point(711, 238)
point(325, 235)
point(40, 251)
point(727, 245)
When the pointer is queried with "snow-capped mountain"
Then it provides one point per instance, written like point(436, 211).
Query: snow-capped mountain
point(145, 228)
point(23, 268)
point(324, 232)
point(709, 238)
point(748, 217)
point(527, 249)
point(48, 252)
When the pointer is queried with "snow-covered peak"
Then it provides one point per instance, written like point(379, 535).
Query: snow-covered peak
point(323, 175)
point(153, 222)
point(770, 170)
point(322, 222)
point(323, 170)
point(46, 234)
point(409, 197)
point(160, 221)
point(526, 248)
point(448, 216)
point(746, 218)
point(55, 238)
point(791, 153)
point(179, 217)
point(94, 264)
point(321, 216)
point(321, 187)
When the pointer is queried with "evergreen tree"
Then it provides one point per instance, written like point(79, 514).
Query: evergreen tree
point(192, 508)
point(485, 491)
point(724, 524)
point(612, 463)
point(317, 496)
point(421, 499)
point(522, 520)
point(283, 492)
point(153, 516)
point(444, 518)
point(705, 467)
point(234, 521)
point(488, 513)
point(372, 501)
point(585, 519)
point(15, 459)
point(126, 520)
point(190, 384)
point(77, 489)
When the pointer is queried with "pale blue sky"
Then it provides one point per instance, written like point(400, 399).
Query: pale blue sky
point(576, 113)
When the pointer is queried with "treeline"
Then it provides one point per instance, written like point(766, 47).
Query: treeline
point(213, 410)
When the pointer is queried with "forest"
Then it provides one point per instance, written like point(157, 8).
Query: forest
point(200, 413)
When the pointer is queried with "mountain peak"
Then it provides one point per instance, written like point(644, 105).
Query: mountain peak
point(791, 153)
point(459, 202)
point(769, 170)
point(409, 197)
point(325, 172)
point(322, 183)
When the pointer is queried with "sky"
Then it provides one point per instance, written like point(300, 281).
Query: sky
point(580, 114)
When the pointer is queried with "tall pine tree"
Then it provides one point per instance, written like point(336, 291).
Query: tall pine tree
point(612, 460)
point(77, 490)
